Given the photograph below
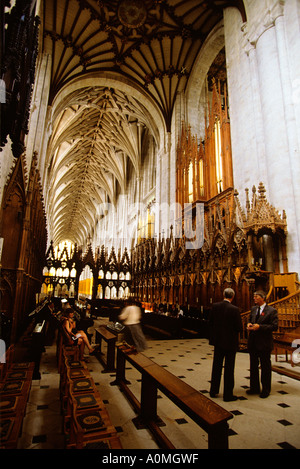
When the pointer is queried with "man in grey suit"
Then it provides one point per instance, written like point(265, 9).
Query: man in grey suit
point(225, 324)
point(263, 321)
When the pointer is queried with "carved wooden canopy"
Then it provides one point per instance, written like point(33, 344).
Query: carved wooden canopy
point(260, 215)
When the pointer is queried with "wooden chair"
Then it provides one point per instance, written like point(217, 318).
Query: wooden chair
point(71, 374)
point(70, 365)
point(11, 405)
point(89, 427)
point(11, 429)
point(16, 388)
point(14, 394)
point(83, 401)
point(75, 388)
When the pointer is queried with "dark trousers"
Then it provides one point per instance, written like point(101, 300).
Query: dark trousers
point(264, 359)
point(219, 356)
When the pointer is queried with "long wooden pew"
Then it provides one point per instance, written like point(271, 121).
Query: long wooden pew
point(171, 327)
point(206, 413)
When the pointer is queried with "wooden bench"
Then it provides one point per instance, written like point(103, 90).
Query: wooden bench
point(284, 342)
point(11, 429)
point(90, 425)
point(15, 387)
point(161, 324)
point(73, 366)
point(157, 330)
point(286, 372)
point(172, 327)
point(16, 377)
point(110, 338)
point(206, 413)
point(67, 376)
point(86, 423)
point(83, 393)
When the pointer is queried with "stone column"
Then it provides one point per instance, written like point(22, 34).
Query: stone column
point(263, 121)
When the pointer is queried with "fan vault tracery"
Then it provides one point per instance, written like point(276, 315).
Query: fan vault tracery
point(154, 42)
point(97, 137)
point(99, 132)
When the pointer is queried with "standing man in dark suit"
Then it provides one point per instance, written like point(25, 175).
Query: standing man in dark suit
point(263, 321)
point(225, 325)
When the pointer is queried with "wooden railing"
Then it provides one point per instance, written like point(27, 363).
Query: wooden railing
point(288, 309)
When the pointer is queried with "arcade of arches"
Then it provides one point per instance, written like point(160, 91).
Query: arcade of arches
point(148, 150)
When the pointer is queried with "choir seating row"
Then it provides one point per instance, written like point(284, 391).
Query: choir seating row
point(15, 385)
point(64, 340)
point(86, 422)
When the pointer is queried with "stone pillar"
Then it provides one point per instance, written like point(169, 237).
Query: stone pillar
point(162, 208)
point(265, 146)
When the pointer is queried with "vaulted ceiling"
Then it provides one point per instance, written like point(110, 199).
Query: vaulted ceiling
point(97, 133)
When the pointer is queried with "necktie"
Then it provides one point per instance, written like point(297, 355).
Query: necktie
point(257, 314)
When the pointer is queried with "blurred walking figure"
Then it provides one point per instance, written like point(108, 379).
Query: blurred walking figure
point(131, 318)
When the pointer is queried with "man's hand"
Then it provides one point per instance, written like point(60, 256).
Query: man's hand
point(252, 327)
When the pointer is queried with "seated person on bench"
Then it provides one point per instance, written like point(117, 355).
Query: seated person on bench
point(79, 337)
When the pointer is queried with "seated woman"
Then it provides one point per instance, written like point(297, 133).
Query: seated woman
point(78, 337)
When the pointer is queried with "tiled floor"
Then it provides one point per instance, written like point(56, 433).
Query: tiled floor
point(272, 423)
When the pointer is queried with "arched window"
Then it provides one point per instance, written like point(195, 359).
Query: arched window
point(73, 273)
point(59, 272)
point(100, 292)
point(86, 282)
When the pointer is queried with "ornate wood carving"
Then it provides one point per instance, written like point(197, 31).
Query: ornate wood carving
point(23, 229)
point(17, 72)
point(225, 258)
point(204, 169)
point(190, 159)
point(102, 260)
